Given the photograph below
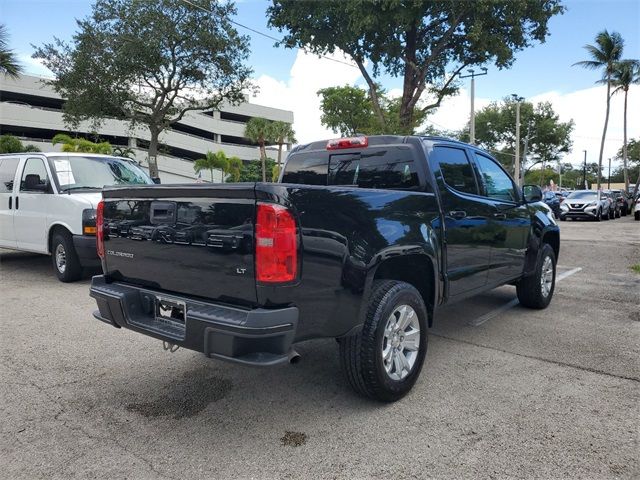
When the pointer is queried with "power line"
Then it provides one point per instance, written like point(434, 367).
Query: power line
point(270, 37)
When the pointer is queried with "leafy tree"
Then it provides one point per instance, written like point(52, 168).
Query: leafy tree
point(281, 133)
point(252, 171)
point(70, 144)
point(624, 75)
point(259, 131)
point(149, 62)
point(213, 161)
point(235, 168)
point(346, 110)
point(11, 144)
point(8, 62)
point(417, 41)
point(604, 56)
point(546, 136)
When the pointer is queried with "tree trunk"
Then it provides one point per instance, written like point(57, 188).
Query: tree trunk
point(153, 152)
point(263, 159)
point(604, 132)
point(279, 155)
point(624, 146)
point(211, 171)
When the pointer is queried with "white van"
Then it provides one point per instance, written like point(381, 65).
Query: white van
point(48, 202)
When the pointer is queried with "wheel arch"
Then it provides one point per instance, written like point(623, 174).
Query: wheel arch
point(53, 228)
point(416, 269)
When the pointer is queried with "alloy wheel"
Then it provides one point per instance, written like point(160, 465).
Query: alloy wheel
point(401, 342)
point(546, 278)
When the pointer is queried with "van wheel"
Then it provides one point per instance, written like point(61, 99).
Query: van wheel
point(536, 291)
point(65, 259)
point(384, 359)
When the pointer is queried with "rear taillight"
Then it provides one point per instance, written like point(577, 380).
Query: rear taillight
point(100, 229)
point(276, 244)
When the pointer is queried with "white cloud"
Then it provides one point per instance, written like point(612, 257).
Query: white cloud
point(33, 66)
point(298, 94)
point(586, 107)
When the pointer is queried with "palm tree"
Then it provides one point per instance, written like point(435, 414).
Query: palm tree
point(604, 56)
point(235, 167)
point(258, 130)
point(211, 162)
point(626, 73)
point(8, 63)
point(70, 144)
point(282, 132)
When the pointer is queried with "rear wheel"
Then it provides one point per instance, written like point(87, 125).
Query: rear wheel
point(384, 359)
point(536, 290)
point(599, 216)
point(65, 259)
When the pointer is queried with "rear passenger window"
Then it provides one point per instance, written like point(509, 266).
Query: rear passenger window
point(497, 184)
point(8, 168)
point(34, 176)
point(391, 168)
point(306, 169)
point(456, 169)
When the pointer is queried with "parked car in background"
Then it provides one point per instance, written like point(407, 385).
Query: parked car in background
point(584, 204)
point(614, 207)
point(48, 204)
point(552, 201)
point(624, 201)
point(636, 210)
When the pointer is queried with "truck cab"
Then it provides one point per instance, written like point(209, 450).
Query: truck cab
point(48, 204)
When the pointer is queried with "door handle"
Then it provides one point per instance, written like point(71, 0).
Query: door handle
point(457, 214)
point(10, 202)
point(17, 203)
point(501, 216)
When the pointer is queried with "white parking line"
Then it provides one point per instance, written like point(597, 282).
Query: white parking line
point(512, 303)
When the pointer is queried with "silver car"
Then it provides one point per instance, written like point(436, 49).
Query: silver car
point(585, 204)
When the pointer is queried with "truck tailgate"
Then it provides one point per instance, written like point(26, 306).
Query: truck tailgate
point(190, 239)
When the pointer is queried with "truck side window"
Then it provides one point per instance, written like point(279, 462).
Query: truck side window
point(497, 184)
point(34, 176)
point(306, 169)
point(456, 169)
point(8, 168)
point(392, 169)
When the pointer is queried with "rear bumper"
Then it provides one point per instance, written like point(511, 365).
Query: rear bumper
point(85, 246)
point(254, 337)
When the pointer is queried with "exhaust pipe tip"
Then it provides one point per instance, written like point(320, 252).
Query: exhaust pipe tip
point(294, 357)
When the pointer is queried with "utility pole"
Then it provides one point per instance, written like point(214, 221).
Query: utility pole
point(472, 118)
point(584, 171)
point(517, 99)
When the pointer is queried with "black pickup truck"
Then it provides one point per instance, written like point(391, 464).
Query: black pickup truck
point(361, 240)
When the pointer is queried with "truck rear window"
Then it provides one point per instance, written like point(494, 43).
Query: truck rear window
point(385, 168)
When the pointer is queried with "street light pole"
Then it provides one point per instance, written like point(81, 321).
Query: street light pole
point(472, 117)
point(517, 152)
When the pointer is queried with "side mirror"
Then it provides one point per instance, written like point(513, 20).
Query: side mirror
point(531, 193)
point(156, 180)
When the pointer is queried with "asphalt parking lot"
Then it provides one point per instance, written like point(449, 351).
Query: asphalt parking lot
point(505, 391)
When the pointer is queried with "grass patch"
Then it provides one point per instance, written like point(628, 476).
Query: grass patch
point(636, 267)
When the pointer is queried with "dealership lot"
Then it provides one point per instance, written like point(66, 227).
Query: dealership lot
point(505, 392)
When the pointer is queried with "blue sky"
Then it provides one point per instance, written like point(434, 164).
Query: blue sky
point(543, 72)
point(545, 67)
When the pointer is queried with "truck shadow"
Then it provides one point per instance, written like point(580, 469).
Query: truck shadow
point(33, 263)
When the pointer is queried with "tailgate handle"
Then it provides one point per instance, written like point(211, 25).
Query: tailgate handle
point(163, 212)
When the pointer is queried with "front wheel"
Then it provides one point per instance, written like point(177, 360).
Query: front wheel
point(65, 259)
point(599, 216)
point(384, 359)
point(536, 290)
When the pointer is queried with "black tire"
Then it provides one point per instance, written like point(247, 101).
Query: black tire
point(71, 270)
point(598, 216)
point(562, 219)
point(529, 289)
point(636, 215)
point(618, 213)
point(623, 211)
point(361, 356)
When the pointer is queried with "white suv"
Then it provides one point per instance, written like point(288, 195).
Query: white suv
point(48, 202)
